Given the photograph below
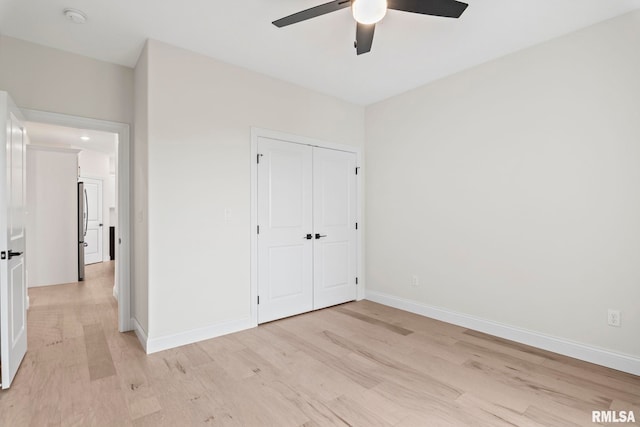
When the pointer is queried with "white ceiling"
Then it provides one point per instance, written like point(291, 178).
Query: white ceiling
point(408, 50)
point(61, 136)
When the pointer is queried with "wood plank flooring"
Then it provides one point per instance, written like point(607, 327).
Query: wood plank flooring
point(358, 364)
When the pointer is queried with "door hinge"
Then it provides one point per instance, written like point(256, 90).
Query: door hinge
point(356, 280)
point(258, 229)
point(258, 158)
point(258, 299)
point(356, 225)
point(357, 169)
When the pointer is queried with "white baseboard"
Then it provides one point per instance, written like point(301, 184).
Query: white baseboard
point(140, 333)
point(28, 302)
point(42, 285)
point(115, 292)
point(599, 356)
point(176, 340)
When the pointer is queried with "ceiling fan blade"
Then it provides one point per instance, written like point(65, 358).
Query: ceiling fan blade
point(364, 37)
point(323, 9)
point(445, 8)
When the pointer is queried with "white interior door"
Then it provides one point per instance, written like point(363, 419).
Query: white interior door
point(334, 225)
point(93, 221)
point(307, 231)
point(13, 288)
point(285, 229)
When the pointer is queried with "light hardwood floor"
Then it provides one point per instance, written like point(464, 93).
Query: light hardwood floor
point(359, 364)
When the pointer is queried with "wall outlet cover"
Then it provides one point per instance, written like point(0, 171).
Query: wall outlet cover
point(613, 317)
point(415, 282)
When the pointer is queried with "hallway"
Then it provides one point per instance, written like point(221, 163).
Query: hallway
point(68, 374)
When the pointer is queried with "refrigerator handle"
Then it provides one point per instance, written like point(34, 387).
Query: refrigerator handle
point(86, 212)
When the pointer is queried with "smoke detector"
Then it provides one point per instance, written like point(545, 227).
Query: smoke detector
point(76, 16)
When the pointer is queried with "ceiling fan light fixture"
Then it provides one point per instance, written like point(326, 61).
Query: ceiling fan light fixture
point(369, 11)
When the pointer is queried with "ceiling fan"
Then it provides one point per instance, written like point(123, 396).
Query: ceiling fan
point(368, 12)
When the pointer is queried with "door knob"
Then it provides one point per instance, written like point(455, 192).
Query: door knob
point(318, 235)
point(308, 237)
point(12, 254)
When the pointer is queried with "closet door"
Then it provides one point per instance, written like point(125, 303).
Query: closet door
point(334, 214)
point(285, 253)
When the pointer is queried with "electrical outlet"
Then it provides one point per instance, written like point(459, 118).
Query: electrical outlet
point(414, 281)
point(613, 317)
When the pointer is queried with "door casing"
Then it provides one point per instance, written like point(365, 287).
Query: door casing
point(122, 290)
point(296, 139)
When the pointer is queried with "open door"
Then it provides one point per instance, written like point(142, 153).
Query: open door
point(13, 286)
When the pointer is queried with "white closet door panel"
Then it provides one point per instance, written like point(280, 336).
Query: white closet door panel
point(334, 212)
point(285, 258)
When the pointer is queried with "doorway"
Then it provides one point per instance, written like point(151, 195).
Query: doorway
point(120, 213)
point(93, 226)
point(71, 204)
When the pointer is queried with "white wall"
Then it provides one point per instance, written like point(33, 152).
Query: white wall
point(511, 189)
point(52, 216)
point(140, 172)
point(200, 116)
point(94, 164)
point(42, 78)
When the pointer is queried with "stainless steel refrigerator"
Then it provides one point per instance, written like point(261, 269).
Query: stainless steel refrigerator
point(82, 228)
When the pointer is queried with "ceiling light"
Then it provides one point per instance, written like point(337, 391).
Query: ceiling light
point(369, 11)
point(85, 138)
point(76, 16)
